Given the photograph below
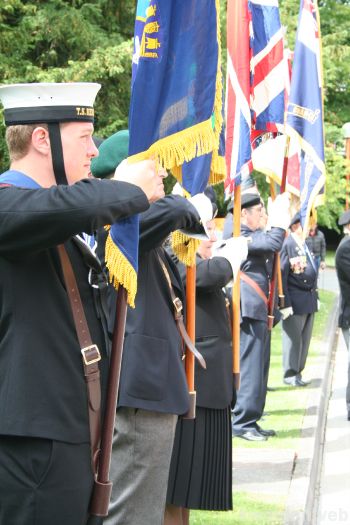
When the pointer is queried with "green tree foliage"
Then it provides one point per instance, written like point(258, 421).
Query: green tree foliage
point(77, 40)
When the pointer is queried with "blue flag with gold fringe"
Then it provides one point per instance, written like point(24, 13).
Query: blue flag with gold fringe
point(176, 107)
point(176, 99)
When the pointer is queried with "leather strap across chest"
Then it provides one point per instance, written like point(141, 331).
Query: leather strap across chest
point(253, 285)
point(178, 307)
point(90, 355)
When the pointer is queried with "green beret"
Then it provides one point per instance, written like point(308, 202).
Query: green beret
point(112, 152)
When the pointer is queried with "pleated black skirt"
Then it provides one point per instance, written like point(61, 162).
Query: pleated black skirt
point(201, 465)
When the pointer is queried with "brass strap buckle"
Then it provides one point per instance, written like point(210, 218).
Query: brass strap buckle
point(91, 354)
point(178, 305)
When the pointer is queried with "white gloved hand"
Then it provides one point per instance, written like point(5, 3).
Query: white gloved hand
point(177, 190)
point(235, 250)
point(204, 207)
point(286, 312)
point(278, 212)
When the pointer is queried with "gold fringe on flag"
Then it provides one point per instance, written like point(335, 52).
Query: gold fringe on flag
point(217, 169)
point(120, 270)
point(202, 138)
point(184, 247)
point(179, 147)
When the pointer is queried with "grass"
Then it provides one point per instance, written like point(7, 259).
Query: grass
point(330, 258)
point(249, 509)
point(286, 408)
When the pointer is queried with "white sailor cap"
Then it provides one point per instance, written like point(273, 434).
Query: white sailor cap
point(48, 102)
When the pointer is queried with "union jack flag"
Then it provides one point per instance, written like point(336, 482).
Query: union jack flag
point(257, 78)
point(238, 117)
point(268, 66)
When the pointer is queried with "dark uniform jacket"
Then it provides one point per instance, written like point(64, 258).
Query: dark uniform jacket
point(152, 374)
point(300, 289)
point(257, 267)
point(214, 386)
point(42, 386)
point(342, 265)
point(317, 245)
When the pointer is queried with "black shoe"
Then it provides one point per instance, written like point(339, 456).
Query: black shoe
point(266, 432)
point(349, 416)
point(250, 435)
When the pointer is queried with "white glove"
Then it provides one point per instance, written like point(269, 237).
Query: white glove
point(235, 250)
point(177, 190)
point(204, 207)
point(278, 212)
point(286, 312)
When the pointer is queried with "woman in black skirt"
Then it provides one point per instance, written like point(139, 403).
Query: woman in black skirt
point(201, 466)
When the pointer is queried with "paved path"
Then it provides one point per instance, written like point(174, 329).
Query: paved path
point(295, 474)
point(334, 488)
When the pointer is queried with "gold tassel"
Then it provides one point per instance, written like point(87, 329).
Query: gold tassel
point(120, 270)
point(184, 247)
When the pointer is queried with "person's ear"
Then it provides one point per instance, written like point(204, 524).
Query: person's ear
point(41, 140)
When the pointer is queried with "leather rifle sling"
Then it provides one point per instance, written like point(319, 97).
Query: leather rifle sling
point(253, 285)
point(179, 317)
point(90, 356)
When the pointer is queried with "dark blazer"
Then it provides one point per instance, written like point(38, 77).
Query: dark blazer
point(257, 266)
point(300, 289)
point(214, 386)
point(152, 374)
point(42, 386)
point(342, 265)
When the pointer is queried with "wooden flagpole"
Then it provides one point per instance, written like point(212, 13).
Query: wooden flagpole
point(191, 330)
point(236, 321)
point(102, 486)
point(278, 261)
point(275, 266)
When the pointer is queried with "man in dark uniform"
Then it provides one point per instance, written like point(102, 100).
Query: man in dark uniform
point(45, 455)
point(342, 265)
point(153, 390)
point(299, 278)
point(254, 294)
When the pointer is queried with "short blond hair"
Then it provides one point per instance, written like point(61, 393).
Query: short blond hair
point(18, 139)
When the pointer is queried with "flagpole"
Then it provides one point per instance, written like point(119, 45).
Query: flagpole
point(236, 321)
point(191, 330)
point(275, 266)
point(102, 486)
point(278, 260)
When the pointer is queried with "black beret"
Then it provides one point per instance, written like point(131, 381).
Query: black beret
point(250, 199)
point(344, 218)
point(295, 219)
